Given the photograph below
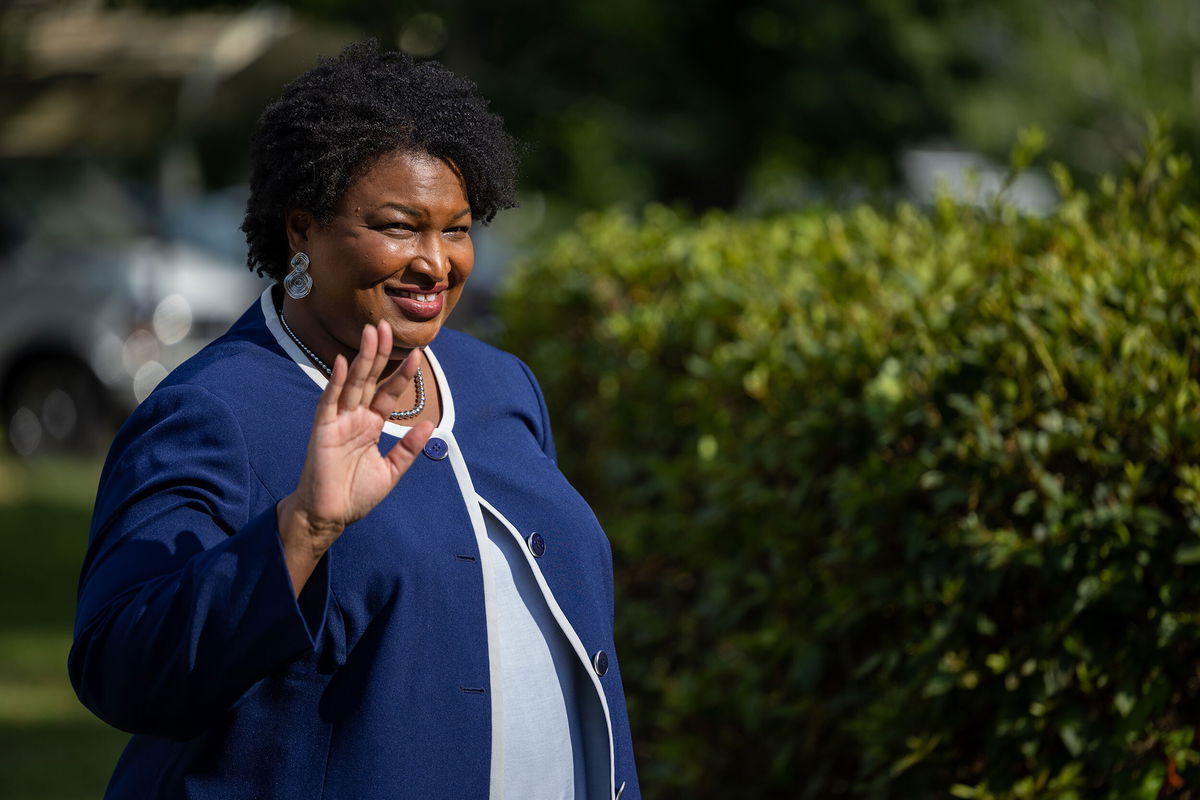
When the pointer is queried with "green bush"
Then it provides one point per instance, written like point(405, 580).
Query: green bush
point(903, 504)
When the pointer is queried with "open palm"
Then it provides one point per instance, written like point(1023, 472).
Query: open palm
point(345, 475)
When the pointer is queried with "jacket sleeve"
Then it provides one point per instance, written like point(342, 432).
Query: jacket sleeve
point(185, 601)
point(545, 435)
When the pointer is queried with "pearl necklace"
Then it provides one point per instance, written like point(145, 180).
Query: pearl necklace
point(418, 380)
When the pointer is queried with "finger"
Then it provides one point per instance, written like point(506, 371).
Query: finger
point(383, 349)
point(327, 403)
point(391, 388)
point(405, 451)
point(360, 367)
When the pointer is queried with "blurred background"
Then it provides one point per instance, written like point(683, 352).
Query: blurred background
point(124, 130)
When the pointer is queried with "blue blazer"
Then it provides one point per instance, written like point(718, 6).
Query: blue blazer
point(374, 683)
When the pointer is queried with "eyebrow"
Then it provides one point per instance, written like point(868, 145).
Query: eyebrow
point(421, 214)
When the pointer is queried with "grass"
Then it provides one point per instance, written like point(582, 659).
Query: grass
point(51, 747)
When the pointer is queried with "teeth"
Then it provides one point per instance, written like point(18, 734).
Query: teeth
point(423, 298)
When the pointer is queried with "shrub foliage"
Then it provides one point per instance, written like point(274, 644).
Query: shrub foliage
point(903, 504)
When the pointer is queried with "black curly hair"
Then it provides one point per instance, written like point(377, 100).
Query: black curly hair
point(330, 124)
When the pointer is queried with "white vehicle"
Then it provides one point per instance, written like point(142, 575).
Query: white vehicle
point(86, 332)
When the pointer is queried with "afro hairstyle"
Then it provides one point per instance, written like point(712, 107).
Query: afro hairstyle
point(333, 122)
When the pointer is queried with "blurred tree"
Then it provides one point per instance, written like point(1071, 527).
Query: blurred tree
point(767, 103)
point(687, 101)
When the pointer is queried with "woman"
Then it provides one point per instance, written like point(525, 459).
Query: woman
point(331, 554)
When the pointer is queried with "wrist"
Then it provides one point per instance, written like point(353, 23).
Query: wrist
point(301, 531)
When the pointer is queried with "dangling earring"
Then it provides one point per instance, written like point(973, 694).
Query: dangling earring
point(298, 282)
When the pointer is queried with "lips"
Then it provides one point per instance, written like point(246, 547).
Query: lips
point(417, 304)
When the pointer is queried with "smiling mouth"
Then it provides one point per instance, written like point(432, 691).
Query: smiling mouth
point(416, 305)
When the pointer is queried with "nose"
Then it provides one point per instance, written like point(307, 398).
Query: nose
point(431, 258)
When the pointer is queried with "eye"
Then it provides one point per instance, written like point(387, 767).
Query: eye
point(458, 232)
point(394, 227)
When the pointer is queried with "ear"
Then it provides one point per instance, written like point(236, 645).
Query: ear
point(299, 224)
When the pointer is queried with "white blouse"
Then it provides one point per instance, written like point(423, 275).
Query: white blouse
point(536, 701)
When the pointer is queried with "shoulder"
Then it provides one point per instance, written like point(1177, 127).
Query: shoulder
point(468, 361)
point(223, 388)
point(493, 384)
point(239, 362)
point(459, 346)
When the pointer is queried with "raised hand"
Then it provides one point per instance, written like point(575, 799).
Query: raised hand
point(345, 475)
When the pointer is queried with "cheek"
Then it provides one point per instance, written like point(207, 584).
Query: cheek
point(465, 259)
point(364, 261)
point(381, 260)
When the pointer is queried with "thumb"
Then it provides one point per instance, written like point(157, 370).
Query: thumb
point(405, 451)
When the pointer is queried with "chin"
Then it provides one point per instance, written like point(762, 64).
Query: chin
point(409, 339)
point(409, 333)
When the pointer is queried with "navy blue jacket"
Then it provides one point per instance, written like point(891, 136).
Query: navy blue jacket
point(375, 682)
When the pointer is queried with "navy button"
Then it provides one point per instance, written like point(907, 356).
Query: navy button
point(600, 662)
point(437, 449)
point(537, 545)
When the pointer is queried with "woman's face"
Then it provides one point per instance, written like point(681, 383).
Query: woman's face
point(398, 249)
